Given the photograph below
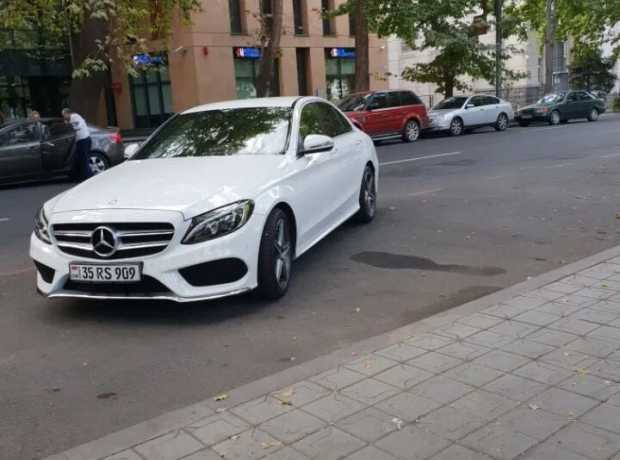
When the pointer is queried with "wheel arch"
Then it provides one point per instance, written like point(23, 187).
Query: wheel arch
point(288, 210)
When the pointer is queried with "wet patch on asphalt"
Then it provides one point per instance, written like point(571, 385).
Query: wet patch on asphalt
point(392, 261)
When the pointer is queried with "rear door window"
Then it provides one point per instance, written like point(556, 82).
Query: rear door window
point(409, 98)
point(393, 99)
point(478, 101)
point(379, 101)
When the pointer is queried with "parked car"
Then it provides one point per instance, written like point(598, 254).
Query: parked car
point(457, 114)
point(218, 201)
point(561, 107)
point(387, 114)
point(29, 151)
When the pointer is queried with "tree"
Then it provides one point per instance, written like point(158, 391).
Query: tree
point(269, 36)
point(97, 32)
point(590, 71)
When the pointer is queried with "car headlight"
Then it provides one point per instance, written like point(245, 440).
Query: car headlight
point(41, 227)
point(219, 222)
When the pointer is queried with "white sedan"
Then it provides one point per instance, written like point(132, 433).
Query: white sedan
point(218, 201)
point(457, 114)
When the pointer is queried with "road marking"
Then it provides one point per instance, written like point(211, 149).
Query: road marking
point(427, 157)
point(612, 155)
point(426, 192)
point(561, 165)
point(4, 219)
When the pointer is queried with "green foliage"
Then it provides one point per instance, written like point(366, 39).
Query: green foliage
point(615, 105)
point(589, 70)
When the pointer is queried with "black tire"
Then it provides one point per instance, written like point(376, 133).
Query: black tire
point(555, 118)
point(502, 122)
point(524, 124)
point(456, 127)
point(411, 131)
point(275, 257)
point(98, 162)
point(368, 197)
point(564, 122)
point(593, 115)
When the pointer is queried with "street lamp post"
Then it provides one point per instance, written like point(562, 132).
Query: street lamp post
point(498, 48)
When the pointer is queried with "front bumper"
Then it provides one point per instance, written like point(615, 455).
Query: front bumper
point(532, 117)
point(439, 124)
point(161, 274)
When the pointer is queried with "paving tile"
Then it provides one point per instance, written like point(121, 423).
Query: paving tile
point(528, 302)
point(292, 426)
point(600, 271)
point(252, 444)
point(543, 372)
point(606, 305)
point(536, 318)
point(463, 350)
point(537, 424)
point(435, 362)
point(573, 326)
point(499, 441)
point(171, 446)
point(400, 352)
point(457, 331)
point(581, 280)
point(217, 428)
point(301, 393)
point(592, 347)
point(544, 293)
point(489, 339)
point(578, 300)
point(595, 293)
point(561, 308)
point(480, 320)
point(260, 409)
point(403, 376)
point(527, 348)
point(563, 287)
point(125, 455)
point(566, 358)
point(514, 387)
point(600, 317)
point(456, 452)
point(333, 407)
point(429, 342)
point(408, 407)
point(370, 453)
point(484, 404)
point(609, 283)
point(451, 423)
point(205, 454)
point(604, 416)
point(369, 424)
point(501, 360)
point(371, 364)
point(592, 386)
point(552, 451)
point(607, 333)
point(412, 443)
point(514, 329)
point(587, 440)
point(562, 402)
point(552, 337)
point(607, 369)
point(505, 311)
point(335, 379)
point(473, 374)
point(369, 391)
point(441, 389)
point(285, 454)
point(328, 444)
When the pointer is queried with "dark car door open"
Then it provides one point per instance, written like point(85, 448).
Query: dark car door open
point(57, 147)
point(20, 153)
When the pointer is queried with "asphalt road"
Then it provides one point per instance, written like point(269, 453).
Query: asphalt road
point(458, 218)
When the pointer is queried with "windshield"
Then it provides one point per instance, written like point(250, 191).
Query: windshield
point(354, 102)
point(243, 131)
point(551, 98)
point(451, 103)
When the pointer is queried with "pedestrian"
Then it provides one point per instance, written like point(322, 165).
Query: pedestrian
point(83, 142)
point(38, 128)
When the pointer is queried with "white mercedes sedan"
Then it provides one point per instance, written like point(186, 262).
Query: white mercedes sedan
point(458, 114)
point(218, 201)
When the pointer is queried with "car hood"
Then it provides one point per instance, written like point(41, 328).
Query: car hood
point(439, 113)
point(535, 106)
point(188, 185)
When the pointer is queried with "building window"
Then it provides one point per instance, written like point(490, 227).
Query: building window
point(340, 72)
point(303, 57)
point(247, 68)
point(266, 13)
point(14, 97)
point(151, 94)
point(298, 17)
point(236, 27)
point(328, 23)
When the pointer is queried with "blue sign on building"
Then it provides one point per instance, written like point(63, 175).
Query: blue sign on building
point(342, 53)
point(147, 59)
point(248, 53)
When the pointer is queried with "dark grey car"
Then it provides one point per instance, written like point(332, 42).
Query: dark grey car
point(31, 150)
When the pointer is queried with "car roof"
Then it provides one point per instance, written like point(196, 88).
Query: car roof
point(246, 103)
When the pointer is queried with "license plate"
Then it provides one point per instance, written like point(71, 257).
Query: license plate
point(526, 116)
point(108, 273)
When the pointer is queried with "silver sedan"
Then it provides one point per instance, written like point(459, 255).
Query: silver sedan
point(457, 114)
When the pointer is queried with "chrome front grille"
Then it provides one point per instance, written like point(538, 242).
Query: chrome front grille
point(131, 239)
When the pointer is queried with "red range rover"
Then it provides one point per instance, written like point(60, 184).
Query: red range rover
point(387, 114)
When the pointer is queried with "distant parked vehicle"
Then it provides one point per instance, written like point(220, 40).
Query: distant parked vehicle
point(387, 114)
point(561, 107)
point(457, 114)
point(30, 151)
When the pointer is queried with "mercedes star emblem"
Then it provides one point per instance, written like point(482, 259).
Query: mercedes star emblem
point(104, 241)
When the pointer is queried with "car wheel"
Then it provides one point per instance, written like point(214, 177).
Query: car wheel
point(593, 115)
point(98, 162)
point(368, 197)
point(411, 132)
point(524, 124)
point(275, 257)
point(554, 118)
point(456, 127)
point(502, 122)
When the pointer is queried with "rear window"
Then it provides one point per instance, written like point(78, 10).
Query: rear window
point(451, 103)
point(409, 98)
point(354, 102)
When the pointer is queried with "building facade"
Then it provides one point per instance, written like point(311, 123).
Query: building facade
point(217, 58)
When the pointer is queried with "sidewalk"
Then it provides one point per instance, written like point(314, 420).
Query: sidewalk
point(531, 372)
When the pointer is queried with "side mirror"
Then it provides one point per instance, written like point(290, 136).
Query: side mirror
point(131, 149)
point(316, 143)
point(469, 106)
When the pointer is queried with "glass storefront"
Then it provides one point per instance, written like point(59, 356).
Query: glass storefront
point(247, 68)
point(151, 94)
point(340, 72)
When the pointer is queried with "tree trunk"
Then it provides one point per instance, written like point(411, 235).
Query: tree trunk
point(85, 93)
point(265, 85)
point(362, 66)
point(549, 45)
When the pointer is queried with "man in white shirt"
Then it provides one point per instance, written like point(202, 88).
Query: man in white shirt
point(83, 142)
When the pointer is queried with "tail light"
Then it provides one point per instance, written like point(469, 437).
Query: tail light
point(116, 138)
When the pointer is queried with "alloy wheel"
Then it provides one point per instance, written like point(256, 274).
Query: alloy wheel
point(594, 115)
point(282, 247)
point(97, 165)
point(456, 127)
point(369, 195)
point(555, 118)
point(502, 122)
point(412, 131)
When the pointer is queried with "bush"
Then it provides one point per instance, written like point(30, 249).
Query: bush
point(615, 105)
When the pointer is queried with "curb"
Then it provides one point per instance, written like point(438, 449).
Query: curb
point(170, 421)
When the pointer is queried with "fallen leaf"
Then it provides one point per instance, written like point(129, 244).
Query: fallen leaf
point(618, 215)
point(219, 410)
point(604, 285)
point(582, 371)
point(286, 403)
point(221, 397)
point(398, 422)
point(534, 407)
point(235, 437)
point(287, 393)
